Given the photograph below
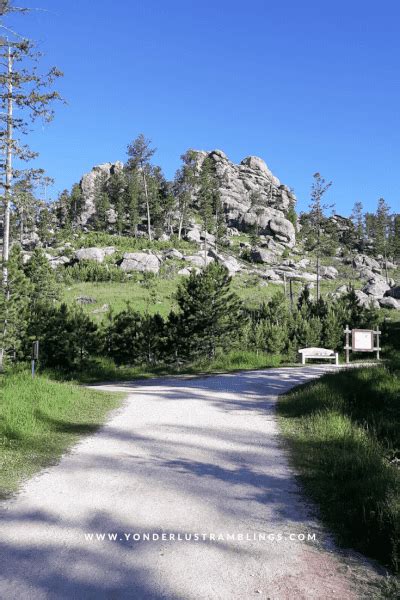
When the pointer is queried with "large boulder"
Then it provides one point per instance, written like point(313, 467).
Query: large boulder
point(140, 261)
point(389, 302)
point(283, 230)
point(199, 260)
point(366, 300)
point(376, 287)
point(95, 254)
point(263, 255)
point(193, 235)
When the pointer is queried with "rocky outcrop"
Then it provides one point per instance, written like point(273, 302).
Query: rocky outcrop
point(89, 183)
point(252, 195)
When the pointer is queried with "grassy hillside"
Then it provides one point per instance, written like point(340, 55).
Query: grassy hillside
point(40, 419)
point(157, 294)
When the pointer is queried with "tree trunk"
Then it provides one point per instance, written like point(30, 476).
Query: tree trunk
point(7, 194)
point(8, 178)
point(146, 194)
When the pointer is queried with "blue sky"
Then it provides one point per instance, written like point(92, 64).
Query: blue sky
point(308, 86)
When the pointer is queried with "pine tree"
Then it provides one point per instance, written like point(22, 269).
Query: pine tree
point(395, 244)
point(317, 209)
point(210, 314)
point(116, 188)
point(382, 231)
point(45, 288)
point(132, 194)
point(102, 203)
point(22, 87)
point(357, 216)
point(140, 153)
point(14, 306)
point(184, 188)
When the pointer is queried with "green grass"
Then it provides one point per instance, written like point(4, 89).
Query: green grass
point(344, 436)
point(103, 369)
point(154, 296)
point(40, 419)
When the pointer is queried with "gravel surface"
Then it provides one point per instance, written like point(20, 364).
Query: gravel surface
point(181, 456)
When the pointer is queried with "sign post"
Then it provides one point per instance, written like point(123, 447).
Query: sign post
point(347, 346)
point(35, 356)
point(362, 340)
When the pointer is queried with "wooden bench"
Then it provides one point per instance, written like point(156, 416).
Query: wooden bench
point(318, 353)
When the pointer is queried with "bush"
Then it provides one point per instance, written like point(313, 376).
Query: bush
point(126, 243)
point(91, 271)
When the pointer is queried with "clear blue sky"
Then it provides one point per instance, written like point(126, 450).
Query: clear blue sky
point(308, 86)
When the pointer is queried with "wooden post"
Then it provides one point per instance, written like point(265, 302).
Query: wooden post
point(347, 346)
point(291, 292)
point(284, 283)
point(378, 349)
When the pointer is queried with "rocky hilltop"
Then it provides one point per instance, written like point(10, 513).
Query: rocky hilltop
point(88, 184)
point(250, 194)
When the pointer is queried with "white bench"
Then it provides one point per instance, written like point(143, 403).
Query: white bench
point(318, 353)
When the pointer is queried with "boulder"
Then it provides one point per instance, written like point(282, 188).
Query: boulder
point(389, 302)
point(140, 261)
point(173, 253)
point(232, 231)
point(31, 241)
point(393, 292)
point(197, 260)
point(366, 300)
point(184, 272)
point(229, 262)
point(111, 216)
point(376, 287)
point(271, 275)
point(340, 291)
point(328, 272)
point(85, 300)
point(109, 250)
point(193, 235)
point(59, 261)
point(96, 254)
point(263, 255)
point(303, 263)
point(283, 230)
point(362, 260)
point(295, 275)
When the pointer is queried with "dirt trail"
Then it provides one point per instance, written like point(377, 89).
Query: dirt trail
point(182, 456)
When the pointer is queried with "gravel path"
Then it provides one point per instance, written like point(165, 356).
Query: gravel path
point(182, 456)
